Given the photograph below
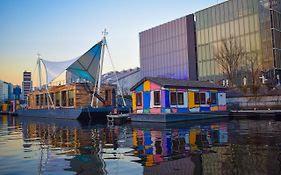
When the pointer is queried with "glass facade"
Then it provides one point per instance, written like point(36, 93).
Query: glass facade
point(254, 24)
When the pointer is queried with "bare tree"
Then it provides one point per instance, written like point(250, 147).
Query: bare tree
point(254, 69)
point(229, 57)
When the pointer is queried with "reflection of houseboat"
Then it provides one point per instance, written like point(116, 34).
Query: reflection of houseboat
point(83, 99)
point(170, 100)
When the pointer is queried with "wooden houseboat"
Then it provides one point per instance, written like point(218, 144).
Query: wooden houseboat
point(170, 100)
point(86, 99)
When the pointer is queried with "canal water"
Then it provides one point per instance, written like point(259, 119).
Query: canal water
point(40, 146)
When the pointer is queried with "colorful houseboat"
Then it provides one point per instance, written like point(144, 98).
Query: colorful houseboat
point(170, 100)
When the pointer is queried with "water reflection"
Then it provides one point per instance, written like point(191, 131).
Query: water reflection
point(69, 147)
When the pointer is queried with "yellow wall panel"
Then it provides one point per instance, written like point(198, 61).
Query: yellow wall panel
point(146, 86)
point(134, 102)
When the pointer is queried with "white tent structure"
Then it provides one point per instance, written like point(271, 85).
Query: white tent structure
point(86, 66)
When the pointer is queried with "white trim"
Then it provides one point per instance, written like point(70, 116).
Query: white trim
point(152, 105)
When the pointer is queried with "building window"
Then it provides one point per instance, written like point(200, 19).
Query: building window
point(63, 98)
point(156, 95)
point(37, 100)
point(106, 98)
point(173, 98)
point(139, 99)
point(71, 98)
point(213, 98)
point(46, 99)
point(197, 98)
point(202, 98)
point(57, 98)
point(180, 98)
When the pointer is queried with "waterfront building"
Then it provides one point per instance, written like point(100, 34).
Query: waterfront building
point(168, 50)
point(171, 50)
point(126, 79)
point(156, 95)
point(17, 92)
point(4, 91)
point(254, 24)
point(26, 84)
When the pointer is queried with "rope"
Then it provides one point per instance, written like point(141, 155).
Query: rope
point(114, 70)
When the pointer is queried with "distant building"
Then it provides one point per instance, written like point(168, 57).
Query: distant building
point(168, 50)
point(126, 78)
point(17, 92)
point(26, 84)
point(4, 91)
point(254, 24)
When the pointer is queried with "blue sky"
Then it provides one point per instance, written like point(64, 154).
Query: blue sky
point(64, 29)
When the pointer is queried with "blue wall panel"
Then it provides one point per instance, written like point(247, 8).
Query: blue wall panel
point(182, 110)
point(146, 100)
point(139, 88)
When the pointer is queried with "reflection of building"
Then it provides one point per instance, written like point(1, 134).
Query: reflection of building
point(26, 84)
point(168, 50)
point(254, 24)
point(167, 147)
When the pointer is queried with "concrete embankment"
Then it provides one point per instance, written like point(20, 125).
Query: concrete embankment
point(256, 114)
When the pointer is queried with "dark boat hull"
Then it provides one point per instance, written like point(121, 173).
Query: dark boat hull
point(87, 113)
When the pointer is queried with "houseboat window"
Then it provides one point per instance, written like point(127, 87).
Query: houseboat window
point(213, 98)
point(71, 98)
point(106, 95)
point(173, 98)
point(156, 97)
point(41, 99)
point(63, 98)
point(139, 99)
point(37, 100)
point(202, 98)
point(46, 99)
point(197, 98)
point(57, 98)
point(180, 98)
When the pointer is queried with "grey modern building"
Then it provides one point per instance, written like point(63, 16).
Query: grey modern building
point(168, 50)
point(171, 49)
point(254, 24)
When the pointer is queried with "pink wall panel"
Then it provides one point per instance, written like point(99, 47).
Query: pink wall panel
point(154, 86)
point(155, 110)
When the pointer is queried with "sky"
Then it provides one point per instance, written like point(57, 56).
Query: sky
point(64, 29)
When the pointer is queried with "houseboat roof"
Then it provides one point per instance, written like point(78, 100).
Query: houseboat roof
point(171, 83)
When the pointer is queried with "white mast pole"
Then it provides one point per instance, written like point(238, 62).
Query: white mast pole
point(39, 70)
point(101, 62)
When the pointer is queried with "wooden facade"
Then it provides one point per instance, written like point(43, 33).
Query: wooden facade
point(75, 95)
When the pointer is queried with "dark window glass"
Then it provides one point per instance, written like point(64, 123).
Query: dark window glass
point(202, 98)
point(46, 99)
point(213, 98)
point(197, 98)
point(71, 98)
point(173, 98)
point(156, 97)
point(139, 99)
point(37, 100)
point(180, 98)
point(63, 98)
point(57, 98)
point(106, 95)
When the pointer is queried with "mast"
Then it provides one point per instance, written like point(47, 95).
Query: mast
point(39, 70)
point(101, 62)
